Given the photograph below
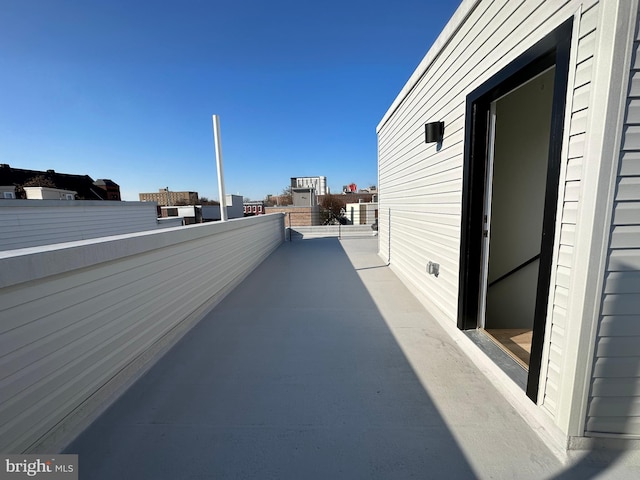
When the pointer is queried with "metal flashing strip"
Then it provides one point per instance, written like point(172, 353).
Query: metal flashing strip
point(502, 359)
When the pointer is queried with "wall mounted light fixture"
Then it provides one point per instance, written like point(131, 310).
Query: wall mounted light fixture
point(434, 132)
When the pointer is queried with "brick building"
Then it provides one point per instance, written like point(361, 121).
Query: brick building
point(253, 208)
point(165, 197)
point(298, 216)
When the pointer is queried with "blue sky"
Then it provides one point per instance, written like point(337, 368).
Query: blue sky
point(125, 89)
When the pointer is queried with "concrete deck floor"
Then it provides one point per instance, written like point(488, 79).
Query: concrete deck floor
point(320, 365)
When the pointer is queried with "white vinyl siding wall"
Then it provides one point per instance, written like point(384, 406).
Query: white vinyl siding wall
point(614, 405)
point(76, 316)
point(420, 186)
point(30, 223)
point(577, 123)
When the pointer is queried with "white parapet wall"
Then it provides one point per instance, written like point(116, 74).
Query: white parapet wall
point(78, 320)
point(29, 223)
point(340, 231)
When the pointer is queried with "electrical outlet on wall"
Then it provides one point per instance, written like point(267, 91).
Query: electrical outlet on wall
point(433, 268)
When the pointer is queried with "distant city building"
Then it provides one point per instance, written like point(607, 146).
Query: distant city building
point(253, 208)
point(319, 183)
point(7, 191)
point(167, 198)
point(48, 193)
point(304, 197)
point(297, 216)
point(278, 200)
point(110, 189)
point(191, 214)
point(354, 197)
point(362, 213)
point(14, 180)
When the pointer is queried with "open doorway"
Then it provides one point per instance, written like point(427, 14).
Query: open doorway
point(519, 129)
point(514, 131)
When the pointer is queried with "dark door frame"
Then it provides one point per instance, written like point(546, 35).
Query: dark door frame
point(553, 50)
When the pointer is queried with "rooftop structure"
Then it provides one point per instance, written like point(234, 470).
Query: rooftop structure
point(84, 186)
point(317, 183)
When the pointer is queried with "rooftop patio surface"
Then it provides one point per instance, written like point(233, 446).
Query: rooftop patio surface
point(320, 365)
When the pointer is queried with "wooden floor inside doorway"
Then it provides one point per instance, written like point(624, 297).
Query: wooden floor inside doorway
point(515, 341)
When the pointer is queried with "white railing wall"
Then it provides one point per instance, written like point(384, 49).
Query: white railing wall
point(30, 223)
point(340, 231)
point(78, 319)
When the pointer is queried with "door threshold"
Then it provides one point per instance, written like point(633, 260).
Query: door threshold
point(516, 342)
point(514, 370)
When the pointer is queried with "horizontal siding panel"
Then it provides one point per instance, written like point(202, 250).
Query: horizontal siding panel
point(633, 111)
point(584, 72)
point(628, 190)
point(558, 340)
point(631, 137)
point(563, 277)
point(625, 236)
point(621, 425)
point(626, 213)
point(567, 234)
point(553, 376)
point(434, 170)
point(616, 367)
point(615, 387)
point(630, 164)
point(615, 407)
point(624, 260)
point(622, 282)
point(550, 394)
point(581, 98)
point(577, 145)
point(556, 353)
point(620, 325)
point(442, 195)
point(618, 347)
point(586, 47)
point(561, 297)
point(589, 21)
point(565, 256)
point(559, 319)
point(572, 191)
point(574, 169)
point(634, 84)
point(579, 122)
point(620, 304)
point(570, 212)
